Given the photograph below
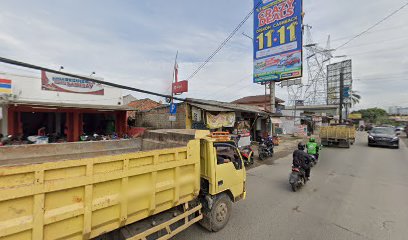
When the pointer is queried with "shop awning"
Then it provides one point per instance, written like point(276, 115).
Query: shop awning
point(216, 106)
point(38, 104)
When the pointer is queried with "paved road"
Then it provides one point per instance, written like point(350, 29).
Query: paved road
point(357, 193)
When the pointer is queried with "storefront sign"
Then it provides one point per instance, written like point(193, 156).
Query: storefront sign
point(5, 86)
point(220, 120)
point(277, 40)
point(180, 87)
point(355, 116)
point(62, 83)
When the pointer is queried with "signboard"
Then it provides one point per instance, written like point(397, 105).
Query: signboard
point(291, 82)
point(220, 120)
point(62, 83)
point(173, 108)
point(346, 92)
point(277, 40)
point(299, 103)
point(5, 86)
point(333, 81)
point(180, 87)
point(355, 116)
point(172, 118)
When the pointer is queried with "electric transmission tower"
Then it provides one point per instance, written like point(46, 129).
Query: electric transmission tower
point(316, 59)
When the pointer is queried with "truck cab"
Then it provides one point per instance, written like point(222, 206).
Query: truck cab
point(223, 178)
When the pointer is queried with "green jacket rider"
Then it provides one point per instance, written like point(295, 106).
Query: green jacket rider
point(312, 147)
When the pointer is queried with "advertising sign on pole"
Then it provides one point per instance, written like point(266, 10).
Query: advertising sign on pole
point(277, 40)
point(180, 87)
point(333, 81)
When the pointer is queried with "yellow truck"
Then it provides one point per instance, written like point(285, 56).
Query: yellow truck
point(147, 188)
point(338, 135)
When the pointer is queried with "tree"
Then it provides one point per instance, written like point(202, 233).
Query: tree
point(355, 98)
point(373, 115)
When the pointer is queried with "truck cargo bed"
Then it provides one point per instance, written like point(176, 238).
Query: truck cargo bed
point(66, 192)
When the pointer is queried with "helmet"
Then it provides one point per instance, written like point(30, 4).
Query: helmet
point(312, 139)
point(301, 146)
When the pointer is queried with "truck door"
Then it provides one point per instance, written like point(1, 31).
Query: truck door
point(230, 170)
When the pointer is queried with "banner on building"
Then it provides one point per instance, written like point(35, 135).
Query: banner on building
point(62, 83)
point(5, 86)
point(196, 114)
point(220, 120)
point(277, 40)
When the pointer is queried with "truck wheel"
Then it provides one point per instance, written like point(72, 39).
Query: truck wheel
point(220, 212)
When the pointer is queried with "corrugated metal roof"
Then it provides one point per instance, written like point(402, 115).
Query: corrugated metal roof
point(216, 106)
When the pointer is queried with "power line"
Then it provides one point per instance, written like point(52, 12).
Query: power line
point(31, 66)
point(225, 41)
point(373, 26)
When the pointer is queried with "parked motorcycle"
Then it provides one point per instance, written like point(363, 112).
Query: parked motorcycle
point(265, 148)
point(297, 178)
point(247, 155)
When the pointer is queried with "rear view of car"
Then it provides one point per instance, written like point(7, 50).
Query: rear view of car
point(383, 136)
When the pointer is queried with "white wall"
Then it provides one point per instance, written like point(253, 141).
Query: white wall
point(288, 122)
point(28, 88)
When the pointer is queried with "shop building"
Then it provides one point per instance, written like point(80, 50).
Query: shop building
point(60, 106)
point(207, 114)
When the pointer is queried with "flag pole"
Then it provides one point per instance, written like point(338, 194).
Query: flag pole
point(173, 80)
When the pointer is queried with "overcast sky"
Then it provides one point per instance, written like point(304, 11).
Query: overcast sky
point(135, 42)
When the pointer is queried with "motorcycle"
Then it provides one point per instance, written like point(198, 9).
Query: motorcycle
point(313, 159)
point(265, 148)
point(297, 178)
point(247, 155)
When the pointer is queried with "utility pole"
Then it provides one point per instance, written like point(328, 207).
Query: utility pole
point(272, 86)
point(341, 94)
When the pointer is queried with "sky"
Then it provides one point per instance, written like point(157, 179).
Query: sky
point(135, 43)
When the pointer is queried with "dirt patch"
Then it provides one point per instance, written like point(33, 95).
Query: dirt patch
point(287, 146)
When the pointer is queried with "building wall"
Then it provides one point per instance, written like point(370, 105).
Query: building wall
point(28, 88)
point(289, 123)
point(159, 118)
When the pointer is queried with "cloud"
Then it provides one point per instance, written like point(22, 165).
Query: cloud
point(135, 42)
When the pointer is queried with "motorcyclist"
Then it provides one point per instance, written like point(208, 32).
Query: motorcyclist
point(313, 148)
point(302, 160)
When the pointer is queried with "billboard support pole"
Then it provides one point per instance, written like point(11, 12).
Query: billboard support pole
point(341, 94)
point(272, 86)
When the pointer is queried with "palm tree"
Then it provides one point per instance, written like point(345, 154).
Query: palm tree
point(355, 98)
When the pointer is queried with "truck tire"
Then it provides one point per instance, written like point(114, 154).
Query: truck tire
point(218, 216)
point(220, 212)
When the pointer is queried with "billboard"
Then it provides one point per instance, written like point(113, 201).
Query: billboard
point(333, 81)
point(62, 83)
point(277, 40)
point(180, 87)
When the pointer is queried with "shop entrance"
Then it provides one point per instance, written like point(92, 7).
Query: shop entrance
point(99, 123)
